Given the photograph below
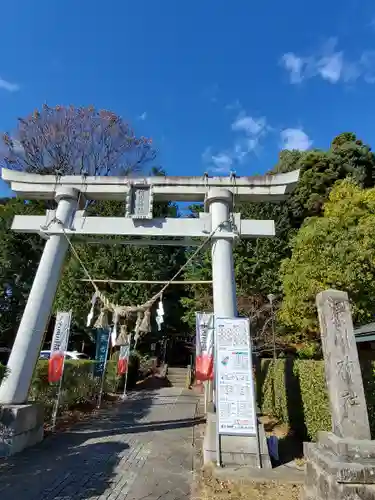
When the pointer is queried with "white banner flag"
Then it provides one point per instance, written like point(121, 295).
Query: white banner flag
point(61, 332)
point(59, 345)
point(204, 361)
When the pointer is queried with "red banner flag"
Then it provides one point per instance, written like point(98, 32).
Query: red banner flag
point(204, 361)
point(58, 346)
point(123, 360)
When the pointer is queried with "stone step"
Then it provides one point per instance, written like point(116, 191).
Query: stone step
point(177, 376)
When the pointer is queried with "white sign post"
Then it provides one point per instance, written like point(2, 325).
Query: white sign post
point(59, 345)
point(235, 394)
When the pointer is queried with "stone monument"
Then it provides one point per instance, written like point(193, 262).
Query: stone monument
point(341, 464)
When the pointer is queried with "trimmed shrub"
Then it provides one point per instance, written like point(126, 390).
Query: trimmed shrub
point(79, 386)
point(368, 376)
point(295, 392)
point(314, 397)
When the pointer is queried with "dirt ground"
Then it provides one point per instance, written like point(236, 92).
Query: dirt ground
point(210, 488)
point(207, 487)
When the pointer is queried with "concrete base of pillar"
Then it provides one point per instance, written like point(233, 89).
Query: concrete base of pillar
point(21, 426)
point(235, 450)
point(342, 469)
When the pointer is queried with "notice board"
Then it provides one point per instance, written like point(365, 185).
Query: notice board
point(234, 378)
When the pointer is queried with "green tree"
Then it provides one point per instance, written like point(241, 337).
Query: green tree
point(333, 251)
point(19, 258)
point(257, 261)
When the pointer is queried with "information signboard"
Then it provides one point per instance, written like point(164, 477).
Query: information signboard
point(234, 380)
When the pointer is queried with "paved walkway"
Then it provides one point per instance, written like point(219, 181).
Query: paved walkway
point(141, 450)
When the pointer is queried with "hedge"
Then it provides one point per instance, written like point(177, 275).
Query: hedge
point(78, 385)
point(295, 392)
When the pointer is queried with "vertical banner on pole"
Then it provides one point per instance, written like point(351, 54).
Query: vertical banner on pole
point(59, 345)
point(123, 364)
point(123, 360)
point(102, 338)
point(204, 360)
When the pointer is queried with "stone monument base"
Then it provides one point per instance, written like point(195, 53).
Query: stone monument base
point(21, 426)
point(235, 450)
point(339, 469)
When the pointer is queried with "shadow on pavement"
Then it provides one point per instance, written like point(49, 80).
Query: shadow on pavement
point(111, 428)
point(73, 464)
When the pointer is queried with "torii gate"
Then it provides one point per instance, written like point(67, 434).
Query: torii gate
point(69, 219)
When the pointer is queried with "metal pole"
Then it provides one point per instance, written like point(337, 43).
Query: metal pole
point(271, 299)
point(124, 395)
point(218, 437)
point(104, 373)
point(15, 387)
point(205, 397)
point(259, 449)
point(57, 403)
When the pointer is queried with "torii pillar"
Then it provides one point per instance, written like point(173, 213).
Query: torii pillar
point(220, 202)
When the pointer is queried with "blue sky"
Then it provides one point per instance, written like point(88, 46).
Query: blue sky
point(216, 84)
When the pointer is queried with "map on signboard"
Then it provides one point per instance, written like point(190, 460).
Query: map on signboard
point(235, 385)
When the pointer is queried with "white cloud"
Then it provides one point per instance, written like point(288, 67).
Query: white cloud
point(331, 67)
point(249, 125)
point(295, 138)
point(222, 162)
point(10, 87)
point(294, 65)
point(143, 116)
point(329, 64)
point(248, 132)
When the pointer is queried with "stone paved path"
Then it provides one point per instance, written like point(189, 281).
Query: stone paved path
point(141, 450)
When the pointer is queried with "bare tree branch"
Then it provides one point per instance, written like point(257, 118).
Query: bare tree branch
point(82, 141)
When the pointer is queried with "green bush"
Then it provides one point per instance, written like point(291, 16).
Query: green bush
point(78, 385)
point(273, 392)
point(294, 391)
point(314, 396)
point(368, 375)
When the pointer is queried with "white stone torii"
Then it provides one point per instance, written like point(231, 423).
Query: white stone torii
point(218, 193)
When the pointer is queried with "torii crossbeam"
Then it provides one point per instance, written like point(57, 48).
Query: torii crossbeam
point(69, 220)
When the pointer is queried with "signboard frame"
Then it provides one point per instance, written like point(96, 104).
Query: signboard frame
point(248, 350)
